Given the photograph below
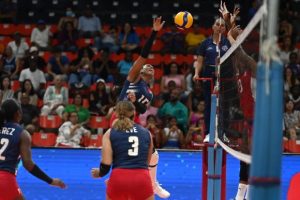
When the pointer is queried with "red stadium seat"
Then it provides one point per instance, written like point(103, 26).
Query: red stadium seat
point(50, 121)
point(15, 85)
point(8, 29)
point(117, 57)
point(95, 140)
point(25, 29)
point(44, 139)
point(158, 73)
point(98, 122)
point(292, 146)
point(156, 89)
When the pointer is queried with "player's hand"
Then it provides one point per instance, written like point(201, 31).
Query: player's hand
point(158, 24)
point(223, 10)
point(58, 183)
point(195, 78)
point(95, 172)
point(234, 15)
point(234, 32)
point(131, 96)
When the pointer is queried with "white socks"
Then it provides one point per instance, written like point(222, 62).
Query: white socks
point(153, 167)
point(241, 193)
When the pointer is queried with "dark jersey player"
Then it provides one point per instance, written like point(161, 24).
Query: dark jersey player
point(137, 91)
point(127, 147)
point(15, 144)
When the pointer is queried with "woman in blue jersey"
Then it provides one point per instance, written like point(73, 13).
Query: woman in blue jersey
point(15, 143)
point(127, 147)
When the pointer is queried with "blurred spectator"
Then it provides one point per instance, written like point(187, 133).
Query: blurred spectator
point(125, 65)
point(83, 113)
point(252, 10)
point(285, 29)
point(128, 38)
point(156, 132)
point(193, 39)
point(110, 40)
point(173, 75)
point(30, 114)
point(40, 36)
point(9, 63)
point(18, 46)
point(80, 69)
point(195, 96)
point(8, 10)
point(287, 47)
point(27, 87)
point(103, 65)
point(173, 41)
point(41, 63)
point(176, 109)
point(71, 132)
point(115, 77)
point(151, 110)
point(290, 79)
point(295, 67)
point(100, 101)
point(69, 17)
point(89, 25)
point(36, 76)
point(58, 64)
point(165, 95)
point(56, 98)
point(294, 95)
point(67, 37)
point(173, 137)
point(292, 120)
point(5, 89)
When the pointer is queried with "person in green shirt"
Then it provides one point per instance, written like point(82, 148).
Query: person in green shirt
point(83, 113)
point(176, 109)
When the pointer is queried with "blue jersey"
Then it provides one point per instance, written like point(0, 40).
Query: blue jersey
point(142, 91)
point(130, 148)
point(10, 146)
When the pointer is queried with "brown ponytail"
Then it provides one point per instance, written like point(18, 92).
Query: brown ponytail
point(124, 110)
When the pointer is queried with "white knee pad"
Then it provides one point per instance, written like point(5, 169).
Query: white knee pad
point(154, 159)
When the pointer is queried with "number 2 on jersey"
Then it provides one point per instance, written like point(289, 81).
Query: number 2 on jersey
point(135, 146)
point(4, 143)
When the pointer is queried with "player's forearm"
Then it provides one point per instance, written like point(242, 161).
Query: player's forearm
point(198, 67)
point(147, 47)
point(37, 172)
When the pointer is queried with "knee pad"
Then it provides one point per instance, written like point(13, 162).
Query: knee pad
point(244, 171)
point(154, 159)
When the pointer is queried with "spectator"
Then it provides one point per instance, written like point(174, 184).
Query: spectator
point(128, 38)
point(295, 67)
point(285, 29)
point(27, 87)
point(71, 132)
point(173, 137)
point(30, 117)
point(292, 120)
point(125, 65)
point(103, 65)
point(83, 113)
point(100, 101)
point(36, 76)
point(294, 95)
point(156, 132)
point(173, 41)
point(56, 98)
point(165, 95)
point(110, 40)
point(193, 39)
point(67, 37)
point(9, 63)
point(176, 109)
point(18, 46)
point(5, 89)
point(195, 96)
point(151, 110)
point(80, 69)
point(58, 64)
point(89, 25)
point(40, 36)
point(69, 17)
point(286, 48)
point(290, 79)
point(41, 63)
point(8, 11)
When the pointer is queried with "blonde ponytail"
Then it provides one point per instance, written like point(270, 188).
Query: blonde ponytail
point(124, 110)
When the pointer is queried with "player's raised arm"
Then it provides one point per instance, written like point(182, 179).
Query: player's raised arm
point(30, 166)
point(141, 60)
point(228, 17)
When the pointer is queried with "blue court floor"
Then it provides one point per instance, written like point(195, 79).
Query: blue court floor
point(179, 172)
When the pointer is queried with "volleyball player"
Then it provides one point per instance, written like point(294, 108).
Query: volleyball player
point(137, 91)
point(127, 147)
point(245, 68)
point(15, 143)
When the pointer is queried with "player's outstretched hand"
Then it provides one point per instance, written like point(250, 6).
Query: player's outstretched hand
point(158, 24)
point(195, 78)
point(58, 183)
point(95, 173)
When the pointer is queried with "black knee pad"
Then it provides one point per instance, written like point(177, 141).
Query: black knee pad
point(244, 171)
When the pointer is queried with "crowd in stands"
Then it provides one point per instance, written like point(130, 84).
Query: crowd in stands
point(75, 69)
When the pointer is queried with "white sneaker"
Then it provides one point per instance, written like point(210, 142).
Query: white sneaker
point(161, 192)
point(206, 139)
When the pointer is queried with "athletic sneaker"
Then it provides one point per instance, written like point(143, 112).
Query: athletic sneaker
point(161, 192)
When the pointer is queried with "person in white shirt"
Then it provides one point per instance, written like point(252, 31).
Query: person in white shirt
point(89, 25)
point(18, 46)
point(71, 132)
point(40, 36)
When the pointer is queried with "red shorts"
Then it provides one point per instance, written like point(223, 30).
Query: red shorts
point(114, 116)
point(9, 184)
point(134, 184)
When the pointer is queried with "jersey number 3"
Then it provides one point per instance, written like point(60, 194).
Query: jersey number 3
point(134, 151)
point(4, 143)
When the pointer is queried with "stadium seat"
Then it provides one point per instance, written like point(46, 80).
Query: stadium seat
point(156, 89)
point(8, 29)
point(25, 29)
point(44, 139)
point(50, 121)
point(292, 146)
point(98, 122)
point(95, 140)
point(15, 85)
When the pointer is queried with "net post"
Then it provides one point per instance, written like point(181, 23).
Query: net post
point(204, 172)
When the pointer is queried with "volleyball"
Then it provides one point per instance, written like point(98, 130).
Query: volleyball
point(183, 20)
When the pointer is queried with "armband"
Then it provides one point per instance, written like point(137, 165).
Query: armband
point(140, 107)
point(147, 47)
point(103, 169)
point(37, 172)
